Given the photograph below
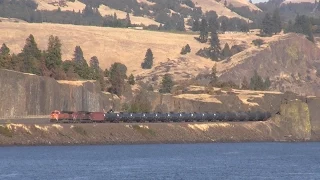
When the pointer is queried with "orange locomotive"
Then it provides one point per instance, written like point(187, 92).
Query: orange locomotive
point(76, 117)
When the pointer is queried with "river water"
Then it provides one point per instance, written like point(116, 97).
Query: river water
point(171, 161)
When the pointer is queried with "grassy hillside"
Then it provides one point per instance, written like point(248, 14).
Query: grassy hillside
point(121, 45)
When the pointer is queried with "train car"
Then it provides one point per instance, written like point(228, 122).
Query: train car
point(97, 117)
point(112, 117)
point(61, 116)
point(81, 117)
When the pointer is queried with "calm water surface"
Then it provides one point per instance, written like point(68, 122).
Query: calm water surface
point(175, 161)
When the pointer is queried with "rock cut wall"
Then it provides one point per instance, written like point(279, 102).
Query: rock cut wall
point(26, 94)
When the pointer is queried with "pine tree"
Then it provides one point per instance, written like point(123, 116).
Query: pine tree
point(214, 45)
point(31, 56)
point(188, 48)
point(166, 84)
point(5, 58)
point(31, 48)
point(131, 80)
point(303, 25)
point(78, 55)
point(225, 3)
point(4, 50)
point(267, 25)
point(180, 25)
point(213, 22)
point(256, 82)
point(195, 25)
point(94, 63)
point(214, 77)
point(203, 30)
point(117, 78)
point(53, 55)
point(148, 60)
point(245, 84)
point(81, 65)
point(276, 21)
point(226, 52)
point(128, 20)
point(224, 24)
point(267, 83)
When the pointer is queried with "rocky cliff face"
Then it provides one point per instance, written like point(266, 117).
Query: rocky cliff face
point(25, 94)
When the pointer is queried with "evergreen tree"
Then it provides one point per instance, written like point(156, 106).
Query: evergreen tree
point(117, 78)
point(195, 25)
point(188, 49)
point(5, 58)
point(267, 25)
point(245, 84)
point(128, 20)
point(95, 68)
point(81, 65)
point(4, 50)
point(180, 25)
point(203, 30)
point(53, 55)
point(256, 82)
point(31, 56)
point(214, 45)
point(226, 52)
point(303, 25)
point(185, 49)
point(267, 83)
point(213, 22)
point(276, 21)
point(78, 55)
point(224, 25)
point(225, 3)
point(94, 63)
point(31, 49)
point(214, 77)
point(148, 60)
point(131, 80)
point(166, 84)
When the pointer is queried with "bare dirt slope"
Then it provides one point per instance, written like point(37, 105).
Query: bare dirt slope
point(291, 61)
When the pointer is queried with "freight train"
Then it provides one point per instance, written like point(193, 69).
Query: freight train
point(125, 117)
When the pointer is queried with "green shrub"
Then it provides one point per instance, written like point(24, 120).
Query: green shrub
point(6, 131)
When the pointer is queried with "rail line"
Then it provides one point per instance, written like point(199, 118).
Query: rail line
point(124, 117)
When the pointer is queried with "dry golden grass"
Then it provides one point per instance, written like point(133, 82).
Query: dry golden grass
point(11, 20)
point(146, 2)
point(128, 46)
point(108, 44)
point(219, 8)
point(240, 3)
point(76, 6)
point(199, 97)
point(105, 10)
point(74, 83)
